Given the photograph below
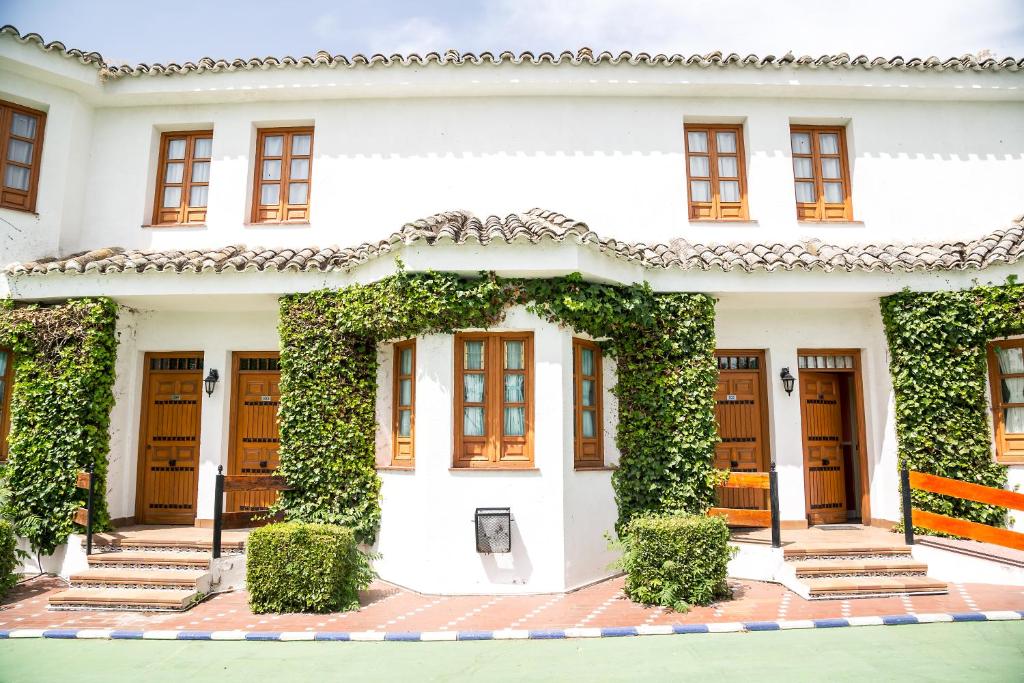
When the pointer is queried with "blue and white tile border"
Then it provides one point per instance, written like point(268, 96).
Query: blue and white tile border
point(541, 634)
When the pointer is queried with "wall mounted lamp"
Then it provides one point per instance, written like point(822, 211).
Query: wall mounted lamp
point(211, 381)
point(788, 380)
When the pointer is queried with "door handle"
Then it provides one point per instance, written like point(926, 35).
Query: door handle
point(172, 463)
point(733, 463)
point(263, 464)
point(824, 461)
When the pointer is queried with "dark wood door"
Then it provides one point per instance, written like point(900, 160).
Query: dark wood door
point(821, 405)
point(739, 407)
point(170, 438)
point(255, 437)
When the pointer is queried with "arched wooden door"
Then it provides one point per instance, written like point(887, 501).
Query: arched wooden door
point(169, 438)
point(255, 438)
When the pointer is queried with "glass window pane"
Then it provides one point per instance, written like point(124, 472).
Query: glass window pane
point(801, 143)
point(752, 362)
point(176, 149)
point(473, 388)
point(474, 355)
point(3, 363)
point(200, 171)
point(16, 177)
point(699, 167)
point(803, 167)
point(273, 145)
point(830, 361)
point(587, 362)
point(404, 422)
point(1012, 389)
point(23, 125)
point(725, 142)
point(805, 193)
point(1013, 421)
point(175, 171)
point(513, 355)
point(830, 168)
point(299, 169)
point(697, 141)
point(515, 425)
point(587, 392)
point(300, 144)
point(828, 143)
point(197, 195)
point(272, 169)
point(172, 197)
point(729, 190)
point(270, 195)
point(203, 148)
point(1011, 360)
point(20, 151)
point(589, 424)
point(728, 168)
point(297, 193)
point(802, 362)
point(405, 392)
point(406, 362)
point(834, 193)
point(849, 361)
point(473, 421)
point(700, 191)
point(514, 385)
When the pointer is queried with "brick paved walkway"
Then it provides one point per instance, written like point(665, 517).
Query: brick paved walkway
point(388, 608)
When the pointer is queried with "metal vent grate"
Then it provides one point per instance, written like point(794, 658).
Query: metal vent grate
point(493, 530)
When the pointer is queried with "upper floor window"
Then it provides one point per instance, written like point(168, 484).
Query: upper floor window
point(587, 402)
point(1006, 380)
point(21, 142)
point(714, 168)
point(494, 400)
point(183, 178)
point(821, 173)
point(6, 380)
point(284, 157)
point(404, 403)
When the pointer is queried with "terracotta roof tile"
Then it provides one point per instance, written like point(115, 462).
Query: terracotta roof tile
point(583, 56)
point(536, 226)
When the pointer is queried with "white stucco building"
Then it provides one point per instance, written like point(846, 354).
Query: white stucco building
point(195, 195)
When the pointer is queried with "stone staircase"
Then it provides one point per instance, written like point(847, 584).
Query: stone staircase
point(144, 572)
point(823, 571)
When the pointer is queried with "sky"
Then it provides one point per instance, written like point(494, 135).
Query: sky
point(187, 30)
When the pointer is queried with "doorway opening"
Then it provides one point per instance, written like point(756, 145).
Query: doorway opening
point(832, 416)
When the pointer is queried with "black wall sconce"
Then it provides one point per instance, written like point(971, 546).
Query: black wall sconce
point(788, 380)
point(211, 381)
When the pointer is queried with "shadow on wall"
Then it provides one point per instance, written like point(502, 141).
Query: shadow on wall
point(509, 568)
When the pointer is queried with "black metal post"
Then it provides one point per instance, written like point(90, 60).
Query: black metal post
point(218, 508)
point(88, 511)
point(773, 498)
point(908, 509)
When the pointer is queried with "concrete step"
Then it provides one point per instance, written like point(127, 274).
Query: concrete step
point(800, 551)
point(168, 544)
point(151, 559)
point(124, 599)
point(181, 579)
point(856, 566)
point(860, 586)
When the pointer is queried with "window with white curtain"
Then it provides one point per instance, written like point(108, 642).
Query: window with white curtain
point(821, 175)
point(715, 172)
point(494, 400)
point(587, 404)
point(1006, 377)
point(183, 178)
point(403, 452)
point(21, 146)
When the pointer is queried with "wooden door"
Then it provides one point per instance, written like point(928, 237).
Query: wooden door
point(821, 405)
point(740, 410)
point(169, 438)
point(254, 434)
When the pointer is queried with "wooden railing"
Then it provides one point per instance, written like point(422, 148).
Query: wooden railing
point(765, 481)
point(228, 483)
point(84, 515)
point(951, 525)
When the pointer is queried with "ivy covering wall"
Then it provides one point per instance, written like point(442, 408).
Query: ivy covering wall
point(60, 413)
point(663, 345)
point(937, 344)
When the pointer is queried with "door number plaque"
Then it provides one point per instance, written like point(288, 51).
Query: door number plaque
point(730, 397)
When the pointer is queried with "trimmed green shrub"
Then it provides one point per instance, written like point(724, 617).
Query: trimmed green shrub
point(299, 567)
point(675, 560)
point(8, 557)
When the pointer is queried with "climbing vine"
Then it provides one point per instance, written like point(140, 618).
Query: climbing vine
point(937, 344)
point(663, 345)
point(60, 413)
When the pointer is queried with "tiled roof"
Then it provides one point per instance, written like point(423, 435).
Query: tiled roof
point(537, 226)
point(583, 56)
